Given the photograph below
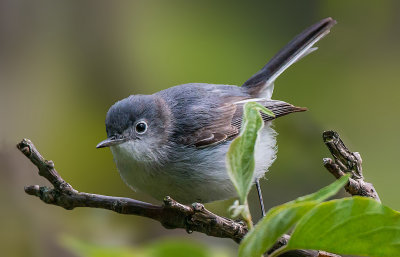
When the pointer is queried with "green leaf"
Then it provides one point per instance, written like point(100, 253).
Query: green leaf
point(281, 218)
point(351, 226)
point(177, 248)
point(84, 249)
point(240, 157)
point(162, 248)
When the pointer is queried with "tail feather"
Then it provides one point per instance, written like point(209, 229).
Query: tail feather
point(261, 84)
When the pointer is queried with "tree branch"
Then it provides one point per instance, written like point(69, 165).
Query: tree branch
point(344, 162)
point(171, 214)
point(191, 218)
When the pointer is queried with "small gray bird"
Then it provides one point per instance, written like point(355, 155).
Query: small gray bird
point(174, 142)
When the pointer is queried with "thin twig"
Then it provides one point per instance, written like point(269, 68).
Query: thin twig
point(344, 162)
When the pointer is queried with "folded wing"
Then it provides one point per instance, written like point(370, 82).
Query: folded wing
point(228, 129)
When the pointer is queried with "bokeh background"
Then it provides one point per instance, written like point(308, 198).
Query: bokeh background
point(64, 63)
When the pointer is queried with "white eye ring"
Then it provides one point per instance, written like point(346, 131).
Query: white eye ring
point(141, 127)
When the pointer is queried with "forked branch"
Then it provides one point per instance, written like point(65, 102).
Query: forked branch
point(344, 162)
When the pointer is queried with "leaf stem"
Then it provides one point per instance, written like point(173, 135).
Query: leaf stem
point(247, 216)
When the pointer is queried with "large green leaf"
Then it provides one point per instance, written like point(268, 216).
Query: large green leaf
point(281, 218)
point(240, 157)
point(353, 226)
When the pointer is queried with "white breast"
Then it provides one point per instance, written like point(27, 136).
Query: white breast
point(192, 175)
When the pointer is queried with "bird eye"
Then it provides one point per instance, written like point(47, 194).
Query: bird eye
point(141, 127)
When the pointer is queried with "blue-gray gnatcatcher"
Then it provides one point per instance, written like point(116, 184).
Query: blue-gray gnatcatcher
point(174, 142)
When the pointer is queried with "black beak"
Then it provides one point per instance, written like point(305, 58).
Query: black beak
point(110, 142)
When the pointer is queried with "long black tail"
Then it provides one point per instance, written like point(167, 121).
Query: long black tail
point(261, 83)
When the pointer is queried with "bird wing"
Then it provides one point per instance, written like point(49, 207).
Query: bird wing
point(227, 125)
point(219, 129)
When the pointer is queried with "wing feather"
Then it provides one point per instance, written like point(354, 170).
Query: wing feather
point(227, 126)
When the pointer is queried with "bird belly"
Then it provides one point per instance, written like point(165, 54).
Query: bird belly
point(191, 174)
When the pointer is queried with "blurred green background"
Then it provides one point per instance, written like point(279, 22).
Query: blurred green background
point(64, 63)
